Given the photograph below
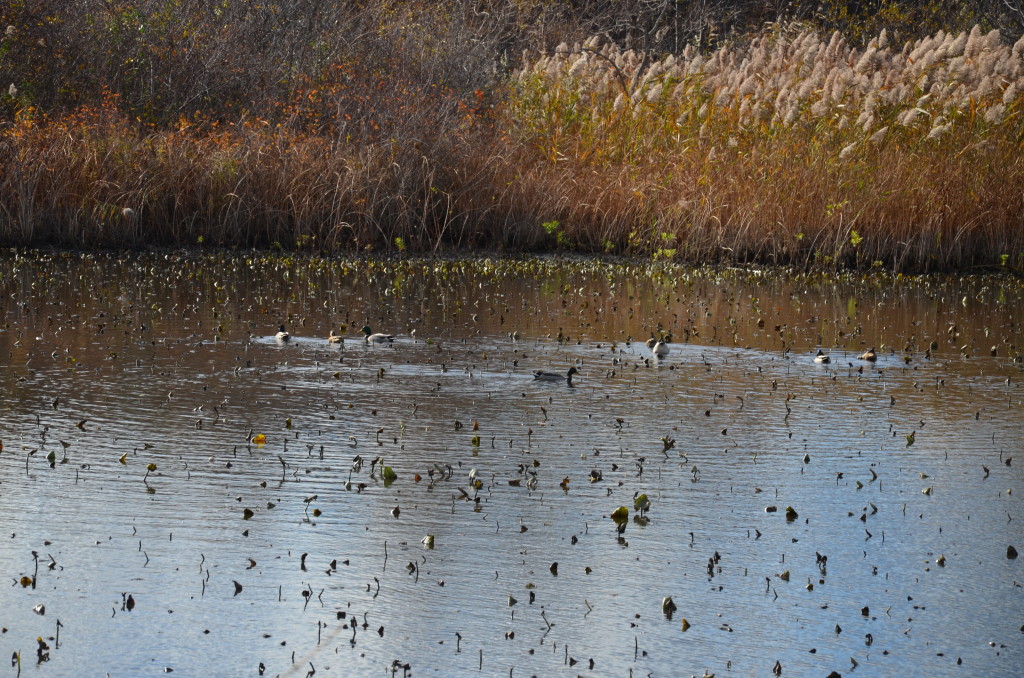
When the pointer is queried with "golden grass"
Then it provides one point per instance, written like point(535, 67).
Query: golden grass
point(795, 149)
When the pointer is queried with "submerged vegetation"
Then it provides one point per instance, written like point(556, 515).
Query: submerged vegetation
point(807, 141)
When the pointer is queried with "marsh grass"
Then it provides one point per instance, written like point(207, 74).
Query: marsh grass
point(791, 149)
point(794, 149)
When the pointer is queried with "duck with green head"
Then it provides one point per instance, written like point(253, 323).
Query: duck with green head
point(376, 338)
point(541, 375)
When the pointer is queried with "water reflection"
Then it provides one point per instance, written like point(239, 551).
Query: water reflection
point(115, 363)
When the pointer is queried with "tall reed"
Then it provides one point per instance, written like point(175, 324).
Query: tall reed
point(793, 149)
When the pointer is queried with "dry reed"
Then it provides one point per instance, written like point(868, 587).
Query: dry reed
point(794, 149)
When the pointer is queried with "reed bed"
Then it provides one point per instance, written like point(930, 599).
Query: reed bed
point(795, 149)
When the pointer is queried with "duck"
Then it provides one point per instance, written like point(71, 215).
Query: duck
point(869, 355)
point(821, 357)
point(541, 375)
point(333, 338)
point(658, 348)
point(282, 334)
point(379, 338)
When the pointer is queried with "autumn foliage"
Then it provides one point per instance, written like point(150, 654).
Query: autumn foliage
point(401, 126)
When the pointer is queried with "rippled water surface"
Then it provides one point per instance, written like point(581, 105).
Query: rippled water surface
point(132, 388)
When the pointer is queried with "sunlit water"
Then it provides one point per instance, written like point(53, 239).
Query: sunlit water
point(115, 363)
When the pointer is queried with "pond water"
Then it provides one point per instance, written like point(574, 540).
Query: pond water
point(141, 512)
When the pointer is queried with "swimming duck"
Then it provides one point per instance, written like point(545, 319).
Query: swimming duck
point(821, 357)
point(555, 376)
point(378, 338)
point(869, 355)
point(282, 335)
point(333, 338)
point(659, 348)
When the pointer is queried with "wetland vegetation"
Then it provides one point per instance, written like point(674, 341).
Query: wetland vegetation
point(184, 490)
point(869, 135)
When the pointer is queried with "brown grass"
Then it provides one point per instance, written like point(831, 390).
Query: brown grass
point(794, 149)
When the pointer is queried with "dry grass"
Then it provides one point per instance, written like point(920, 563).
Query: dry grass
point(794, 149)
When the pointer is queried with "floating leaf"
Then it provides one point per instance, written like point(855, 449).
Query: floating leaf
point(123, 459)
point(259, 439)
point(686, 625)
point(642, 503)
point(512, 601)
point(150, 466)
point(620, 515)
point(791, 514)
point(388, 474)
point(428, 541)
point(668, 606)
point(247, 513)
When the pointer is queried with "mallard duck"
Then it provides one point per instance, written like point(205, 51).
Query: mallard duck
point(555, 376)
point(282, 335)
point(378, 338)
point(869, 355)
point(821, 357)
point(333, 338)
